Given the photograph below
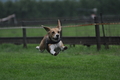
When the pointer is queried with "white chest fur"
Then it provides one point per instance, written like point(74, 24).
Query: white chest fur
point(56, 48)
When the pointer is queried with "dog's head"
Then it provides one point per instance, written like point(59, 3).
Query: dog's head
point(54, 33)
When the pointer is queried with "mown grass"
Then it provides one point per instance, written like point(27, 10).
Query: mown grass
point(76, 63)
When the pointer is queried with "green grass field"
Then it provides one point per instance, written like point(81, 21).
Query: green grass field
point(76, 63)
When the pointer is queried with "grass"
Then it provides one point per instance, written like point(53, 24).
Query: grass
point(76, 63)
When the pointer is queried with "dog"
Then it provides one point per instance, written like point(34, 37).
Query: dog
point(52, 41)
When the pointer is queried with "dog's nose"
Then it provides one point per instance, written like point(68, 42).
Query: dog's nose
point(57, 36)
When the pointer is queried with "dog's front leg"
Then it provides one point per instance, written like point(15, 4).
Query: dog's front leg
point(52, 49)
point(62, 47)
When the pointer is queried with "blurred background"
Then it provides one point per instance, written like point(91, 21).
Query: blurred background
point(34, 13)
point(39, 9)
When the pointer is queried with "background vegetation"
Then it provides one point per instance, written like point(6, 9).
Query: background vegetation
point(65, 8)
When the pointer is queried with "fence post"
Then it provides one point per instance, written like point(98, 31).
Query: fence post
point(24, 36)
point(103, 30)
point(97, 31)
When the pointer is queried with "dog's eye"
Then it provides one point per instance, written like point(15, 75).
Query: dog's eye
point(58, 31)
point(53, 32)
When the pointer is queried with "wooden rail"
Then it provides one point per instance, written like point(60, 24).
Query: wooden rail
point(96, 40)
point(67, 40)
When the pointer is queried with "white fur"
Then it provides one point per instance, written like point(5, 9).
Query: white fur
point(37, 47)
point(55, 47)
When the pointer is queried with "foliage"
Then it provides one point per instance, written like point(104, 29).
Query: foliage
point(65, 8)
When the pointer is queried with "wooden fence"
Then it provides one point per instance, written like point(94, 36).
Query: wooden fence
point(88, 41)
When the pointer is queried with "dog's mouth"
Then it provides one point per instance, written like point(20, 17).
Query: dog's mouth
point(56, 38)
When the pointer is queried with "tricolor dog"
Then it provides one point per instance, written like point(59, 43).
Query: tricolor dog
point(52, 41)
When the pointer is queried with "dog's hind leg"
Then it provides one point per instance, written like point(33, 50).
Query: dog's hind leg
point(41, 47)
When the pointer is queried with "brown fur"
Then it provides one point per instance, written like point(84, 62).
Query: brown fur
point(53, 34)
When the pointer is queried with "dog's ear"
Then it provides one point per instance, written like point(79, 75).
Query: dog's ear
point(47, 28)
point(59, 25)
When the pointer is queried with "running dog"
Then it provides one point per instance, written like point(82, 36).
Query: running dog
point(52, 41)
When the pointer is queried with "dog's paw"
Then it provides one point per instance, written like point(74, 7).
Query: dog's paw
point(37, 47)
point(65, 48)
point(56, 54)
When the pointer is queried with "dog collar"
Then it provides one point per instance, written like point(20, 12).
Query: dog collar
point(50, 41)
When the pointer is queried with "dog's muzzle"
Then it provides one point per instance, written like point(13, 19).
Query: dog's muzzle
point(57, 37)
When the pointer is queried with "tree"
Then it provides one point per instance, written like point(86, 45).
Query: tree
point(2, 12)
point(65, 8)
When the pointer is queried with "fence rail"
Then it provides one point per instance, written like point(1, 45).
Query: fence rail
point(67, 40)
point(96, 40)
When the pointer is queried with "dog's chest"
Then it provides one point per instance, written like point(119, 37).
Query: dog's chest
point(55, 47)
